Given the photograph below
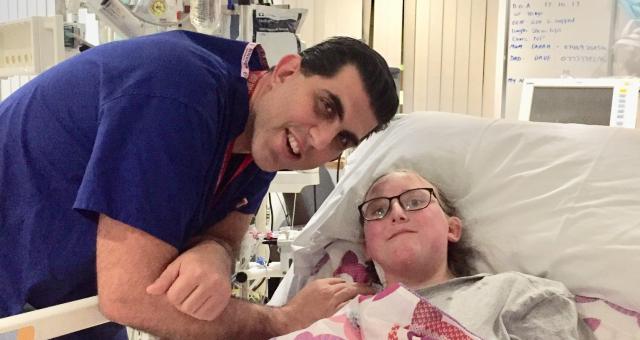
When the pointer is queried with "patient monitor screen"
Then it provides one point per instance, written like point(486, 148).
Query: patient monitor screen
point(571, 105)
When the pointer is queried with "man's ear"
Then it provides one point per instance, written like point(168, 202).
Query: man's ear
point(287, 66)
point(455, 229)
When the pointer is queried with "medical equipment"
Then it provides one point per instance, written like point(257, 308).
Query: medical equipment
point(206, 15)
point(253, 246)
point(118, 16)
point(598, 101)
point(30, 46)
point(275, 29)
point(132, 18)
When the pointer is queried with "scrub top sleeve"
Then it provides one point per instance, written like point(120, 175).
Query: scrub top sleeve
point(149, 164)
point(255, 191)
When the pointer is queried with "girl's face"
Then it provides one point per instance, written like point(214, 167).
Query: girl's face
point(408, 241)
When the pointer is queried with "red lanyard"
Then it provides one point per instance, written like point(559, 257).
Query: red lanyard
point(225, 163)
point(252, 81)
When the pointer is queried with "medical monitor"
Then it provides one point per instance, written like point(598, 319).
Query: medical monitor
point(601, 101)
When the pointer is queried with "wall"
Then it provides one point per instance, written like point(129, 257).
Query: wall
point(454, 56)
point(387, 30)
point(450, 53)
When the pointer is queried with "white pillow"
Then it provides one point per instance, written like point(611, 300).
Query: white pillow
point(561, 201)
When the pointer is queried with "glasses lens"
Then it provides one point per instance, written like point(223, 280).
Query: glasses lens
point(375, 209)
point(415, 199)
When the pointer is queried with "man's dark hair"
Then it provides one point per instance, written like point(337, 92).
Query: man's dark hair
point(328, 57)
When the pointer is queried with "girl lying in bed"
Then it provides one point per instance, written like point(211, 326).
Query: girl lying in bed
point(415, 240)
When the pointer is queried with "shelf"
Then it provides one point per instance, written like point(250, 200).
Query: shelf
point(294, 181)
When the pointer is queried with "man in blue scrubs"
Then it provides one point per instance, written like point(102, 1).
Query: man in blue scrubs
point(151, 155)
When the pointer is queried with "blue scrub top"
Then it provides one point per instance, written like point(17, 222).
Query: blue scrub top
point(136, 130)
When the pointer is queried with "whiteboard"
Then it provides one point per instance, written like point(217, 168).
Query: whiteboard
point(553, 39)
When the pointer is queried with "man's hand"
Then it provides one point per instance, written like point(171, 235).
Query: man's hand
point(320, 299)
point(198, 281)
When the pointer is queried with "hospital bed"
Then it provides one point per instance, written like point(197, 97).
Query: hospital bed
point(561, 201)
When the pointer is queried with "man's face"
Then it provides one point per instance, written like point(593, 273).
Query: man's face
point(302, 122)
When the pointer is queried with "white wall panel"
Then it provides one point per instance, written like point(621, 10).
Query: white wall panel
point(449, 50)
point(41, 6)
point(387, 30)
point(495, 51)
point(434, 55)
point(446, 52)
point(32, 6)
point(476, 56)
point(408, 75)
point(338, 17)
point(461, 66)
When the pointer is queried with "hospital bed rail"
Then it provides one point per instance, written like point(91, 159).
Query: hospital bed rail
point(53, 321)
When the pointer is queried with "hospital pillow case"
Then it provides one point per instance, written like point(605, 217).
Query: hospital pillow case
point(560, 201)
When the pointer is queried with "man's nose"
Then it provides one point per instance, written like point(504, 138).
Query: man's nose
point(323, 134)
point(397, 212)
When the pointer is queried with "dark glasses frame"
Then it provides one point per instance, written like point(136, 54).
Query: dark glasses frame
point(390, 201)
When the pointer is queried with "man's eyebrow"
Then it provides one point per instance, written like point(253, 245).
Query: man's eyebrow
point(336, 104)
